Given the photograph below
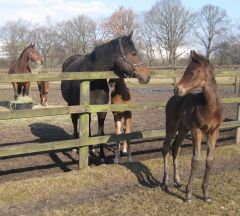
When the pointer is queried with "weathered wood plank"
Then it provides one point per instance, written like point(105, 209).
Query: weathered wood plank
point(57, 76)
point(84, 124)
point(68, 144)
point(66, 110)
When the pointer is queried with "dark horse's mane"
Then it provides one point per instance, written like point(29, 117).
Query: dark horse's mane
point(110, 47)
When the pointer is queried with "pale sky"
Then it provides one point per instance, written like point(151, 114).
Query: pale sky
point(36, 11)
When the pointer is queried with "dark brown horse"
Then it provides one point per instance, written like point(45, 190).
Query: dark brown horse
point(118, 55)
point(20, 65)
point(201, 113)
point(121, 95)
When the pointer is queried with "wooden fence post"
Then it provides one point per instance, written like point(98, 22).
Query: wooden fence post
point(238, 129)
point(84, 123)
point(236, 85)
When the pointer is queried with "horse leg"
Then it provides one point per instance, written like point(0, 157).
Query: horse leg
point(128, 124)
point(182, 132)
point(101, 119)
point(15, 89)
point(19, 89)
point(39, 83)
point(118, 125)
point(197, 139)
point(211, 142)
point(75, 118)
point(26, 87)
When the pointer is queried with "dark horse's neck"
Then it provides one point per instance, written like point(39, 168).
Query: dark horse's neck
point(101, 58)
point(210, 91)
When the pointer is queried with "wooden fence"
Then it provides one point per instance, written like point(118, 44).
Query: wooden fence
point(85, 108)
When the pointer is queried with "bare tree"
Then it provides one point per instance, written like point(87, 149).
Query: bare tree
point(170, 22)
point(121, 22)
point(211, 24)
point(46, 37)
point(15, 37)
point(77, 35)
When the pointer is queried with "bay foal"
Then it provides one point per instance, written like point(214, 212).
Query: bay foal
point(121, 95)
point(201, 113)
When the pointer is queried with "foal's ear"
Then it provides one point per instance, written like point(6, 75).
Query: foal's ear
point(194, 56)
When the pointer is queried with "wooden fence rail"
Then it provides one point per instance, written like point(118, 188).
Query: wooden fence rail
point(84, 109)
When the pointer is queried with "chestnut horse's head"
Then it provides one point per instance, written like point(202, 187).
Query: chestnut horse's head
point(195, 75)
point(33, 54)
point(129, 62)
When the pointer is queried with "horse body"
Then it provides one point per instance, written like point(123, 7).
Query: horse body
point(20, 65)
point(121, 95)
point(118, 55)
point(201, 113)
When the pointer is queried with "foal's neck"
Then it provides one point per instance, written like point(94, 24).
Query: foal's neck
point(210, 91)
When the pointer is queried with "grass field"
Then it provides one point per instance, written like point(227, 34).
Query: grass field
point(127, 189)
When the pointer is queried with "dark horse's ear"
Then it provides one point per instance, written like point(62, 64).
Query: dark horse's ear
point(194, 56)
point(129, 37)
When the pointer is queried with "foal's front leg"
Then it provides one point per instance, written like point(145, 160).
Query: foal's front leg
point(197, 139)
point(15, 89)
point(211, 143)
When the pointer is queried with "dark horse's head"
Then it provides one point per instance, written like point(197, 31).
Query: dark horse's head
point(128, 62)
point(195, 75)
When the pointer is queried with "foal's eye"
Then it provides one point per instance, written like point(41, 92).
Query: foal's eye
point(134, 53)
point(191, 73)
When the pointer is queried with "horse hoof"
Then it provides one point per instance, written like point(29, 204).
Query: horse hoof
point(165, 188)
point(207, 200)
point(102, 161)
point(116, 161)
point(188, 201)
point(177, 184)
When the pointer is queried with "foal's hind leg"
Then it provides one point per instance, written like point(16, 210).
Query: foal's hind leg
point(165, 153)
point(101, 120)
point(182, 132)
point(211, 142)
point(197, 139)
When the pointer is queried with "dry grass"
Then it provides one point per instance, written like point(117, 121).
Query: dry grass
point(131, 189)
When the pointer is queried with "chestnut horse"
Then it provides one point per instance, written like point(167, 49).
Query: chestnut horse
point(118, 55)
point(20, 65)
point(201, 113)
point(121, 95)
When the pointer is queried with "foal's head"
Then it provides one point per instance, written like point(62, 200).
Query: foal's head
point(32, 54)
point(195, 75)
point(129, 61)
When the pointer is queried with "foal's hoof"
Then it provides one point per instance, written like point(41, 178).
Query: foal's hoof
point(116, 161)
point(188, 201)
point(177, 184)
point(165, 188)
point(207, 200)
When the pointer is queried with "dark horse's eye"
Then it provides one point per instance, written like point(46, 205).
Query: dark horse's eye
point(134, 53)
point(191, 73)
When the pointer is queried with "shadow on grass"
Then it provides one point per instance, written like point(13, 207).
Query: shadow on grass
point(143, 174)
